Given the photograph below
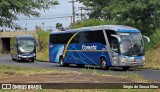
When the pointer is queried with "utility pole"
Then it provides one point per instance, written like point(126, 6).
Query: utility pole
point(73, 12)
point(81, 8)
point(26, 26)
point(71, 21)
point(43, 26)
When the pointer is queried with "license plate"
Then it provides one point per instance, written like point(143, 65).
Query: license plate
point(134, 64)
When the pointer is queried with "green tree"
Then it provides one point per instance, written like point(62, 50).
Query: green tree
point(9, 9)
point(142, 14)
point(59, 26)
point(96, 8)
point(18, 27)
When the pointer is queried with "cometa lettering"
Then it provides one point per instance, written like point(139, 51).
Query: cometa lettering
point(93, 47)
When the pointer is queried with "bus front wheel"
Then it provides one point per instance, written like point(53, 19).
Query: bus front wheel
point(104, 64)
point(61, 62)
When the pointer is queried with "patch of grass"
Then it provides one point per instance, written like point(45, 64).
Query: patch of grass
point(43, 40)
point(96, 72)
point(26, 70)
point(153, 58)
point(131, 75)
point(153, 51)
point(91, 71)
point(127, 74)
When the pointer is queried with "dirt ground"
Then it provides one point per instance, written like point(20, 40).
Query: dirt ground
point(11, 77)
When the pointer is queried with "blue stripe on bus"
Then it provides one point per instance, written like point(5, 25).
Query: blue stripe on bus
point(127, 31)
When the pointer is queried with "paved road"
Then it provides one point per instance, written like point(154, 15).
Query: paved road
point(148, 74)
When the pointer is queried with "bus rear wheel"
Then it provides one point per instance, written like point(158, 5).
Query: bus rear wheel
point(61, 62)
point(104, 64)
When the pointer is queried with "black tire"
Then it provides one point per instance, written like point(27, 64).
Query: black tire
point(80, 65)
point(104, 64)
point(32, 60)
point(126, 68)
point(12, 58)
point(61, 62)
point(17, 59)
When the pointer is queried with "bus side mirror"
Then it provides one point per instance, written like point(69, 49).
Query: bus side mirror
point(149, 41)
point(118, 38)
point(36, 42)
point(16, 45)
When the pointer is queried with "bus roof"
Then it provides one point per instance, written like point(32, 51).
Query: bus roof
point(117, 28)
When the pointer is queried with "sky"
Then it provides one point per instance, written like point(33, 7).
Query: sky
point(57, 14)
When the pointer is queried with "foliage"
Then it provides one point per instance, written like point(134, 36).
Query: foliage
point(42, 53)
point(155, 40)
point(59, 26)
point(18, 27)
point(97, 12)
point(93, 22)
point(142, 14)
point(153, 58)
point(10, 8)
point(152, 51)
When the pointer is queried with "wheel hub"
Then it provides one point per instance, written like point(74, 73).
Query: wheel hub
point(103, 64)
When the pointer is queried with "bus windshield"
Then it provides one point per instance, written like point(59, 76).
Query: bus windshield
point(132, 44)
point(26, 45)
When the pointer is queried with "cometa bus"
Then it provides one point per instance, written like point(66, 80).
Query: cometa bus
point(104, 45)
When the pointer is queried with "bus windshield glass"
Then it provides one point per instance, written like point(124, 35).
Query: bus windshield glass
point(26, 45)
point(132, 44)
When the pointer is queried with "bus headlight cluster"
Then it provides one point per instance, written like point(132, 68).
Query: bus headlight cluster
point(19, 56)
point(143, 59)
point(124, 59)
point(33, 54)
point(22, 56)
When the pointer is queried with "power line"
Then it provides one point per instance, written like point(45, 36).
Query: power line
point(65, 14)
point(44, 18)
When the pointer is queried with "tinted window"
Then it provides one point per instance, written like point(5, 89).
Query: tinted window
point(60, 38)
point(81, 37)
point(90, 37)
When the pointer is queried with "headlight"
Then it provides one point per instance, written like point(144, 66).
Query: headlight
point(33, 54)
point(124, 59)
point(143, 59)
point(19, 56)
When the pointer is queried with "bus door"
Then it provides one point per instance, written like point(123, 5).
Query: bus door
point(112, 43)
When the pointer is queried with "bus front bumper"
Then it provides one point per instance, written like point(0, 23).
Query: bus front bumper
point(27, 57)
point(128, 63)
point(132, 63)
